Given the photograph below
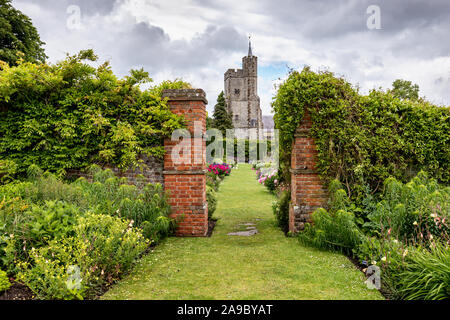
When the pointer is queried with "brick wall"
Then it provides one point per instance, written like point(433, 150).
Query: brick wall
point(152, 172)
point(186, 182)
point(307, 190)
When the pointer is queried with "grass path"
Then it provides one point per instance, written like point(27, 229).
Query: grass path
point(265, 266)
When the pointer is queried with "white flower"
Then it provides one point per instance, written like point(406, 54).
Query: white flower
point(405, 253)
point(374, 262)
point(383, 259)
point(433, 215)
point(415, 223)
point(431, 237)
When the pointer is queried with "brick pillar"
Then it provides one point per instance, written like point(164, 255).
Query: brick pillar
point(307, 190)
point(186, 183)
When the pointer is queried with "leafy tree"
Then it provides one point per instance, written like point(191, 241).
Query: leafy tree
point(222, 119)
point(168, 84)
point(19, 39)
point(71, 115)
point(404, 89)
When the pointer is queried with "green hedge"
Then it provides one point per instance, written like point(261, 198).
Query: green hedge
point(71, 114)
point(362, 140)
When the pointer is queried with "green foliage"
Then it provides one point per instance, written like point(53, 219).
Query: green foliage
point(211, 197)
point(19, 39)
point(426, 275)
point(403, 89)
point(71, 114)
point(413, 211)
point(223, 120)
point(8, 170)
point(4, 281)
point(362, 140)
point(281, 209)
point(406, 234)
point(168, 84)
point(102, 249)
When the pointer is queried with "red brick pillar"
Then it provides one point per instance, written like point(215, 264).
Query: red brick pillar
point(307, 190)
point(186, 183)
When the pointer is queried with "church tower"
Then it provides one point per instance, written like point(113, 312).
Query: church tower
point(241, 93)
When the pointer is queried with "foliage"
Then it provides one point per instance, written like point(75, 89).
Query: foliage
point(362, 140)
point(211, 197)
point(281, 210)
point(404, 89)
point(426, 275)
point(102, 249)
point(412, 212)
point(19, 39)
point(168, 84)
point(212, 180)
point(223, 120)
point(4, 281)
point(407, 235)
point(46, 224)
point(71, 114)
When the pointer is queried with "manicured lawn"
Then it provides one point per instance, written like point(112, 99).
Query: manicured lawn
point(265, 266)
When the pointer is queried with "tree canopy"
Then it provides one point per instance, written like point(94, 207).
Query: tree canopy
point(404, 89)
point(19, 39)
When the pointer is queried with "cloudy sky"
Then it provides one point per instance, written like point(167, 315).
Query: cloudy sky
point(198, 40)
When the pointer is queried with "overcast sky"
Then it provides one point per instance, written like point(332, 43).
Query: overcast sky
point(198, 40)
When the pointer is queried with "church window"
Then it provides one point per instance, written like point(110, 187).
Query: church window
point(237, 91)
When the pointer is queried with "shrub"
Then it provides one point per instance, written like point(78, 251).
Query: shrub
point(211, 197)
point(270, 180)
point(212, 181)
point(4, 281)
point(102, 249)
point(70, 114)
point(281, 210)
point(220, 170)
point(362, 140)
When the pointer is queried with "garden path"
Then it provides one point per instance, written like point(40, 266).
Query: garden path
point(266, 265)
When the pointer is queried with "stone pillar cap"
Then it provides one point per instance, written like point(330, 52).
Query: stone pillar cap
point(185, 95)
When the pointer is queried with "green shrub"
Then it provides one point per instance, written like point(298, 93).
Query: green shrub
point(413, 211)
point(4, 281)
point(211, 197)
point(102, 249)
point(71, 114)
point(362, 140)
point(281, 210)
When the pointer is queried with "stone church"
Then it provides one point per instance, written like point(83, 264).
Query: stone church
point(241, 93)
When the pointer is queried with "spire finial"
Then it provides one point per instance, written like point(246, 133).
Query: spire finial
point(250, 53)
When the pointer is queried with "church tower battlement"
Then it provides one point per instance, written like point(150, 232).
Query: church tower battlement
point(241, 93)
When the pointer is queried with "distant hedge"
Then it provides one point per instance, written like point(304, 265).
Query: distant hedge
point(362, 140)
point(71, 114)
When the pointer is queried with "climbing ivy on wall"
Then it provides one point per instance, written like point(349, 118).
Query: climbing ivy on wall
point(72, 114)
point(362, 140)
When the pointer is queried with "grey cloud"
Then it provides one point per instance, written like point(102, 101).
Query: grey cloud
point(88, 7)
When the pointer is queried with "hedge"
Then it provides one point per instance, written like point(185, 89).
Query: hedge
point(362, 139)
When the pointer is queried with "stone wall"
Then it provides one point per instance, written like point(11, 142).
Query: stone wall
point(186, 182)
point(308, 192)
point(152, 172)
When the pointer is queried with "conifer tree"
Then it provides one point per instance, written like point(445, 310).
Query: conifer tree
point(223, 120)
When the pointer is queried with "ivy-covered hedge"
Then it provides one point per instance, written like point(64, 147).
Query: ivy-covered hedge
point(362, 140)
point(72, 114)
